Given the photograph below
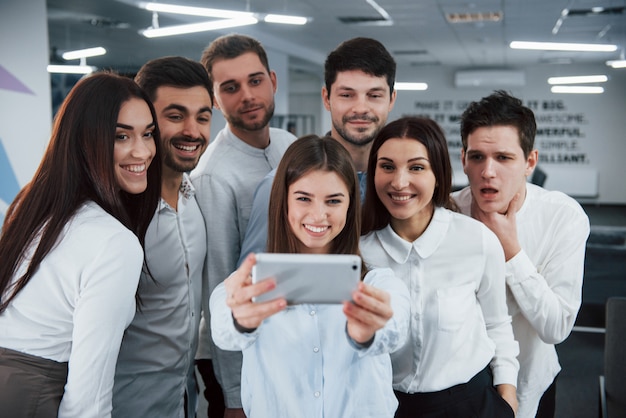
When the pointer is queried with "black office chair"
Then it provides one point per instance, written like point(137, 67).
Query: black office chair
point(613, 383)
point(539, 177)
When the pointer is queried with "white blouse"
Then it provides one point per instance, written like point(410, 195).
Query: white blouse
point(77, 305)
point(459, 322)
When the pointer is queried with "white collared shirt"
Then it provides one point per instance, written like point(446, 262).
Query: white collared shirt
point(459, 323)
point(76, 306)
point(544, 284)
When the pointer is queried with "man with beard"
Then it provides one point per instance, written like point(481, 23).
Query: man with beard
point(225, 180)
point(155, 375)
point(359, 92)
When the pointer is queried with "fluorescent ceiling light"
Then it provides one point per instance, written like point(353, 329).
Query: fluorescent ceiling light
point(555, 46)
point(577, 89)
point(220, 13)
point(194, 11)
point(197, 27)
point(578, 79)
point(410, 86)
point(379, 9)
point(71, 69)
point(290, 20)
point(616, 63)
point(84, 53)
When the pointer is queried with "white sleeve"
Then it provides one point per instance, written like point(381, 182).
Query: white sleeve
point(549, 295)
point(104, 308)
point(492, 299)
point(223, 330)
point(395, 332)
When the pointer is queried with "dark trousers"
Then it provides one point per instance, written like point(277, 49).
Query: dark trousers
point(547, 403)
point(477, 398)
point(212, 389)
point(30, 386)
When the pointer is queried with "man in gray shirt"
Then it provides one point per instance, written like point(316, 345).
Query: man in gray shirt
point(155, 375)
point(359, 93)
point(225, 180)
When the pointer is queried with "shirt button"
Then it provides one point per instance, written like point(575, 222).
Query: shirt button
point(312, 313)
point(316, 349)
point(316, 394)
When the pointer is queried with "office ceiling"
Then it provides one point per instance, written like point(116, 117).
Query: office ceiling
point(419, 34)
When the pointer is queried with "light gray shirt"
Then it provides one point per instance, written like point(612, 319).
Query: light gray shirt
point(225, 181)
point(156, 360)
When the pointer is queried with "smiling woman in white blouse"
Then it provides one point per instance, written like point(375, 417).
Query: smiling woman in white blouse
point(71, 252)
point(460, 357)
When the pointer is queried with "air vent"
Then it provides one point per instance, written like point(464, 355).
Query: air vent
point(474, 17)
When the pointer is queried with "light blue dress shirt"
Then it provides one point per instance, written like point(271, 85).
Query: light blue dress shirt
point(301, 362)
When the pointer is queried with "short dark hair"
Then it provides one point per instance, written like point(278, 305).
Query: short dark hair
point(500, 109)
point(363, 54)
point(174, 72)
point(426, 131)
point(229, 47)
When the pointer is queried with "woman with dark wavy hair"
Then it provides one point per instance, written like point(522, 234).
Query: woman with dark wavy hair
point(71, 252)
point(460, 357)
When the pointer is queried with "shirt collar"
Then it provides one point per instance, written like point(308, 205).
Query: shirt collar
point(186, 190)
point(425, 246)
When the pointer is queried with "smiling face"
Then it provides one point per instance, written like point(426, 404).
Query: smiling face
point(496, 167)
point(317, 204)
point(405, 183)
point(244, 91)
point(359, 104)
point(134, 146)
point(184, 116)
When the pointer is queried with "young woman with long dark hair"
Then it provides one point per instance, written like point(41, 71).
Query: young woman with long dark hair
point(71, 252)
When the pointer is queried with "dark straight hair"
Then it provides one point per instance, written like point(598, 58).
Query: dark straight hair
point(311, 153)
point(426, 131)
point(78, 166)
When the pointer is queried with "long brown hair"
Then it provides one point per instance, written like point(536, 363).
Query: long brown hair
point(77, 166)
point(307, 154)
point(375, 214)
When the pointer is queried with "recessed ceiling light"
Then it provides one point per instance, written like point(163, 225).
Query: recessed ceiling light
point(556, 46)
point(410, 86)
point(577, 89)
point(84, 53)
point(578, 79)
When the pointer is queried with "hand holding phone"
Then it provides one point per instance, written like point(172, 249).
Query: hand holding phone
point(308, 278)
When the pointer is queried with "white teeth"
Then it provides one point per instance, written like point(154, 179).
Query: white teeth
point(136, 168)
point(317, 229)
point(400, 198)
point(188, 148)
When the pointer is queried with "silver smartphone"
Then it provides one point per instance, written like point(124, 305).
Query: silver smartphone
point(308, 278)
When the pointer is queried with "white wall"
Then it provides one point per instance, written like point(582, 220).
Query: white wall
point(25, 105)
point(580, 137)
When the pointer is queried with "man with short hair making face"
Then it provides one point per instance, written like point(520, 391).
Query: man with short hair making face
point(543, 234)
point(359, 93)
point(155, 374)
